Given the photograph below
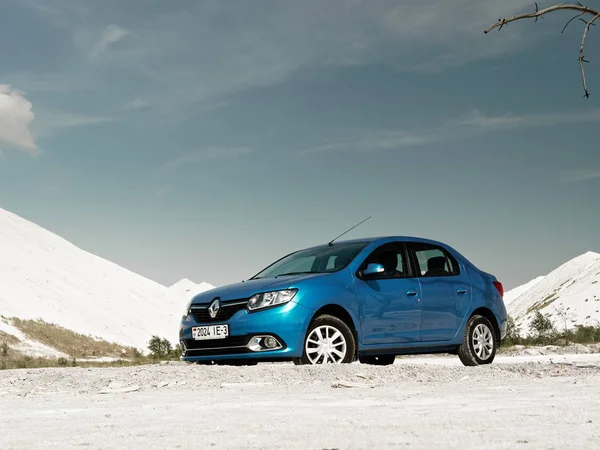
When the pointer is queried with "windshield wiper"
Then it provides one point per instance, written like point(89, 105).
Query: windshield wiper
point(292, 273)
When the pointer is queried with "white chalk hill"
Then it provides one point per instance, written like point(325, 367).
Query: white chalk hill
point(43, 276)
point(569, 294)
point(187, 289)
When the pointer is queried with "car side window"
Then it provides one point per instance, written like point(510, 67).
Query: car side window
point(434, 261)
point(392, 258)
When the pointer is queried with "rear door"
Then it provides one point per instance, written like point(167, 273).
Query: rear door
point(390, 303)
point(445, 290)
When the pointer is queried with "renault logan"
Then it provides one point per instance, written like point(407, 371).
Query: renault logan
point(366, 299)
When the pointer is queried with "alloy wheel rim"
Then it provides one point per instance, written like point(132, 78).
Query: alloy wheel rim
point(326, 345)
point(483, 341)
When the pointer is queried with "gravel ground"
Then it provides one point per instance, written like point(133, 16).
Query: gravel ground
point(421, 403)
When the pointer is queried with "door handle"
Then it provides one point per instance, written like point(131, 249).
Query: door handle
point(461, 291)
point(411, 293)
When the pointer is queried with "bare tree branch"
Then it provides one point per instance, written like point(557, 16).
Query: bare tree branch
point(581, 59)
point(583, 10)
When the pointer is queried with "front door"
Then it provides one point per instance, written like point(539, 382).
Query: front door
point(445, 290)
point(390, 302)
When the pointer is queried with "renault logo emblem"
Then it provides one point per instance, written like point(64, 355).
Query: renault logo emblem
point(213, 309)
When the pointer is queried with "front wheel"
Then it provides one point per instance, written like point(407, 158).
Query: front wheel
point(479, 344)
point(328, 341)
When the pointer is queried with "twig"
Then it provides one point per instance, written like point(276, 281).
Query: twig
point(581, 59)
point(567, 24)
point(583, 10)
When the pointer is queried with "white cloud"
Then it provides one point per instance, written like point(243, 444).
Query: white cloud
point(16, 116)
point(51, 122)
point(135, 104)
point(474, 124)
point(162, 191)
point(375, 140)
point(479, 120)
point(206, 51)
point(110, 36)
point(206, 154)
point(182, 53)
point(40, 7)
point(32, 82)
point(578, 175)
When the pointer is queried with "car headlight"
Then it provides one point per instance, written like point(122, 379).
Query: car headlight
point(266, 299)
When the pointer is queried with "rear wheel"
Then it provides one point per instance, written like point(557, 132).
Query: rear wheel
point(377, 360)
point(328, 341)
point(479, 344)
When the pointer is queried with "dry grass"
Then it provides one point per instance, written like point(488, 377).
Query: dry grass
point(8, 338)
point(13, 359)
point(74, 344)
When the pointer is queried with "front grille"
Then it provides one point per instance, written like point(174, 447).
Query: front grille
point(218, 351)
point(227, 310)
point(231, 341)
point(229, 345)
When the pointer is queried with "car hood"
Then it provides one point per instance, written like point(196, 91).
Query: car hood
point(248, 288)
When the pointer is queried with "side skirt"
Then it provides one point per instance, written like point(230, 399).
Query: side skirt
point(453, 349)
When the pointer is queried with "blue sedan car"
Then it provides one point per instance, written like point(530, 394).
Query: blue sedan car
point(365, 299)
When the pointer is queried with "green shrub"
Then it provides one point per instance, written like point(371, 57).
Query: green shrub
point(159, 347)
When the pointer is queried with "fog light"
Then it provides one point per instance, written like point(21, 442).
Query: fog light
point(271, 342)
point(263, 343)
point(254, 344)
point(183, 346)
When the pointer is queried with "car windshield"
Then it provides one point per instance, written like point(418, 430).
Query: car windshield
point(314, 260)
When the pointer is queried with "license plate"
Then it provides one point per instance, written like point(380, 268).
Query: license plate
point(210, 332)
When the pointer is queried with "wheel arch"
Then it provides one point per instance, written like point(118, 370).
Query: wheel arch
point(489, 315)
point(341, 313)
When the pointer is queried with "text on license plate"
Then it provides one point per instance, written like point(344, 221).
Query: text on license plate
point(210, 332)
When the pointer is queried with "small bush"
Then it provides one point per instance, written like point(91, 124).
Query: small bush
point(544, 332)
point(160, 348)
point(513, 333)
point(63, 362)
point(543, 327)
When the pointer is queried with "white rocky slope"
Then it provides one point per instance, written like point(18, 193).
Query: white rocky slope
point(515, 293)
point(186, 288)
point(43, 276)
point(570, 294)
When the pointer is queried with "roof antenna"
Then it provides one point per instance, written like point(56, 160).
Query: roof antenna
point(335, 239)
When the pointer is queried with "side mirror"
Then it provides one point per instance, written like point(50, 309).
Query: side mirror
point(373, 269)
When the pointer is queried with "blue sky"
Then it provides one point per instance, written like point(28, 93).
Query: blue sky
point(204, 139)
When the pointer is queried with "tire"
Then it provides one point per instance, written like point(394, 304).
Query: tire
point(377, 360)
point(478, 329)
point(340, 345)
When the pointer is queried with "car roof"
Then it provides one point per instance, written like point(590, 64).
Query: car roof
point(384, 239)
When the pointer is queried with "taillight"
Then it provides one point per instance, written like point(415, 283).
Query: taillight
point(499, 287)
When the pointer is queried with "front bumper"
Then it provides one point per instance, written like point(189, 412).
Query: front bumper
point(287, 323)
